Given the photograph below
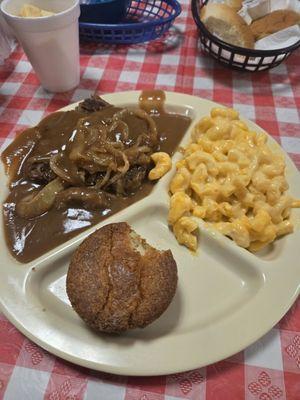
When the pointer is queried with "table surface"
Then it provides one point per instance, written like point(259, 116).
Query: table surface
point(270, 368)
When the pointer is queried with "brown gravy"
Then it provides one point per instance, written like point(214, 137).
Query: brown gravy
point(28, 239)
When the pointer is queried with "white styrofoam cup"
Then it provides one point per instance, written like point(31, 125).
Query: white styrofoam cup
point(50, 43)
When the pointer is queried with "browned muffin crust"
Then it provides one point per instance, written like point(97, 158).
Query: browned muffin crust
point(116, 281)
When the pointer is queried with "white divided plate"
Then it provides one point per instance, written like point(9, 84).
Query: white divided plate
point(226, 298)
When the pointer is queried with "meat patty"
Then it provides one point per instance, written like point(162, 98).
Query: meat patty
point(116, 281)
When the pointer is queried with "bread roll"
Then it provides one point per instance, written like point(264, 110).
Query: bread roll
point(222, 21)
point(274, 22)
point(235, 4)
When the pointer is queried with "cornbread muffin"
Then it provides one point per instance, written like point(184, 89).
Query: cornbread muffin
point(116, 281)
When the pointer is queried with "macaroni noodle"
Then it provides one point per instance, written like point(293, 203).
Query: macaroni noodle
point(163, 164)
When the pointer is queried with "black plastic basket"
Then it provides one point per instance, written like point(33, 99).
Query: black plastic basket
point(238, 57)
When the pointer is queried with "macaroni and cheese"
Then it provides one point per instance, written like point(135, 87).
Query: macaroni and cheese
point(230, 178)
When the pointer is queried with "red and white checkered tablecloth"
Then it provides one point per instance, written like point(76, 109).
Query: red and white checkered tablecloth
point(267, 370)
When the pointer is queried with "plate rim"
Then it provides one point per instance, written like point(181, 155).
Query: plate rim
point(162, 370)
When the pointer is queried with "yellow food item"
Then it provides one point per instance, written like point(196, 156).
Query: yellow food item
point(163, 164)
point(30, 11)
point(230, 178)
